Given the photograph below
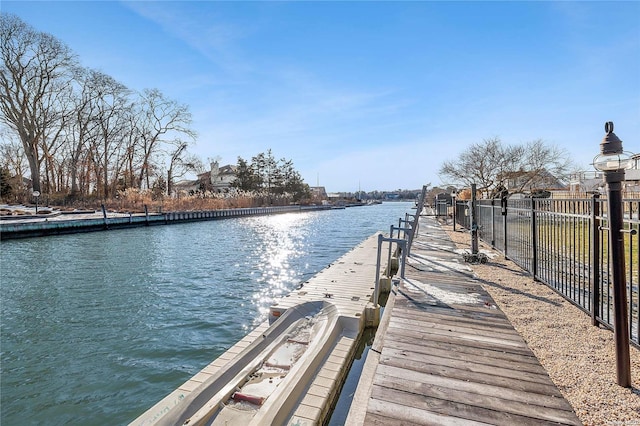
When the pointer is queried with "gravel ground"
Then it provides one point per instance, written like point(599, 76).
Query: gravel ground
point(579, 357)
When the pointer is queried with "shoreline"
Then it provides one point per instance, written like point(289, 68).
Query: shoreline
point(43, 226)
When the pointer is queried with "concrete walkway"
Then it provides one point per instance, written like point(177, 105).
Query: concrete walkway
point(445, 354)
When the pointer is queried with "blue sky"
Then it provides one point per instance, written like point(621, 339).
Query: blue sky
point(369, 94)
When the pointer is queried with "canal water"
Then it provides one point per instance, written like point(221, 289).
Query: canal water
point(98, 327)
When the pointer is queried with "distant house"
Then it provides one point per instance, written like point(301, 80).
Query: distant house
point(585, 182)
point(592, 181)
point(632, 175)
point(532, 181)
point(318, 192)
point(186, 186)
point(218, 179)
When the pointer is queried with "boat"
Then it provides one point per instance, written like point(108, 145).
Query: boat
point(263, 383)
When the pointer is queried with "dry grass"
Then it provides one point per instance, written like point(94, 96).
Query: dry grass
point(134, 201)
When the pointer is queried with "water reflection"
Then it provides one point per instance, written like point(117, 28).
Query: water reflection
point(279, 243)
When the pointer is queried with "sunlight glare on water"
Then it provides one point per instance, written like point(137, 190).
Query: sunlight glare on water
point(280, 243)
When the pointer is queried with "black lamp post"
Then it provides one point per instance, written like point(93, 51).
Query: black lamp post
point(454, 194)
point(613, 161)
point(36, 194)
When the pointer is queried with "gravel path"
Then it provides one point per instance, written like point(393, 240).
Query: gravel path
point(579, 357)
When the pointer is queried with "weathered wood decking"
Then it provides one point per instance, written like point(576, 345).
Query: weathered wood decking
point(445, 354)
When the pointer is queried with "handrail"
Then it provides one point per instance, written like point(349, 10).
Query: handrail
point(419, 208)
point(381, 239)
point(405, 221)
point(404, 237)
point(404, 243)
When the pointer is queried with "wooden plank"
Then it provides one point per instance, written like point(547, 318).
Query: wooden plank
point(452, 409)
point(472, 372)
point(533, 405)
point(460, 317)
point(469, 323)
point(472, 354)
point(385, 414)
point(432, 305)
point(399, 335)
point(428, 326)
point(399, 328)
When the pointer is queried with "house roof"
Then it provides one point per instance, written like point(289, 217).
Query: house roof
point(228, 170)
point(539, 179)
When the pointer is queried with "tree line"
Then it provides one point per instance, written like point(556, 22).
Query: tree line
point(265, 174)
point(78, 131)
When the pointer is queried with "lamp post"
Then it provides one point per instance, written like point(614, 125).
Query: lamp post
point(36, 194)
point(612, 161)
point(454, 194)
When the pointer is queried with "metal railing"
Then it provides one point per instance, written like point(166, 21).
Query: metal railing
point(564, 243)
point(414, 225)
point(402, 242)
point(441, 207)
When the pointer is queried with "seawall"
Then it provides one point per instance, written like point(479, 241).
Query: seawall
point(69, 224)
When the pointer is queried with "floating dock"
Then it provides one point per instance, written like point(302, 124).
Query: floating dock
point(288, 370)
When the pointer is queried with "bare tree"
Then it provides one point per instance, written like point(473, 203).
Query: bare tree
point(132, 158)
point(54, 128)
point(83, 127)
point(484, 164)
point(162, 120)
point(34, 67)
point(492, 166)
point(79, 128)
point(111, 116)
point(541, 165)
point(12, 154)
point(181, 163)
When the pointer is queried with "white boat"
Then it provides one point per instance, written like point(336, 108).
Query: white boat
point(263, 383)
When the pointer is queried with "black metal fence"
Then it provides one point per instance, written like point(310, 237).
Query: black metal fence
point(564, 243)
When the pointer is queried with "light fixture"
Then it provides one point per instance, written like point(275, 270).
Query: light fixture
point(36, 194)
point(611, 157)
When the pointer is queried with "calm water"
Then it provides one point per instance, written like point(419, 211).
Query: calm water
point(96, 328)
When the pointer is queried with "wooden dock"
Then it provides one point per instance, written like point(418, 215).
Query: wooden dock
point(445, 354)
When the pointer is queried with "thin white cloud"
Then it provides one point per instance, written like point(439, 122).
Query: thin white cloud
point(213, 38)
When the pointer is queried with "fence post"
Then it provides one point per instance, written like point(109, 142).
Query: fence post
point(534, 240)
point(377, 286)
point(503, 205)
point(474, 221)
point(493, 224)
point(595, 258)
point(454, 214)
